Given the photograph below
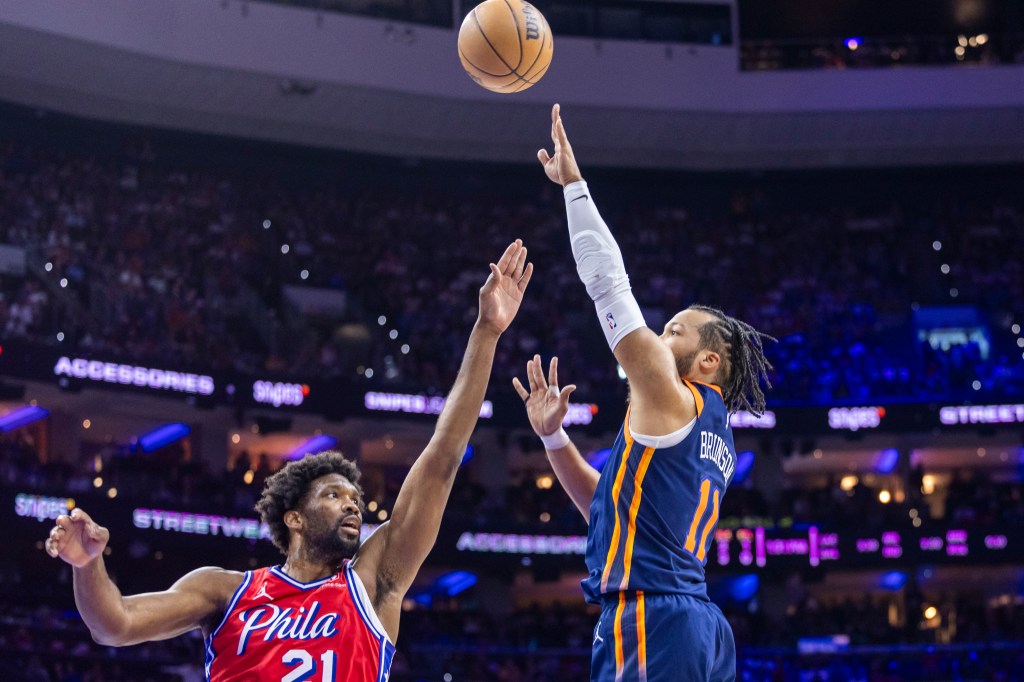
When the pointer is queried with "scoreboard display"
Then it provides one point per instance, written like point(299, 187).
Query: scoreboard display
point(758, 546)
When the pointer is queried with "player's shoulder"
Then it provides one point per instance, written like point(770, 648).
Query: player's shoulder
point(212, 581)
point(661, 416)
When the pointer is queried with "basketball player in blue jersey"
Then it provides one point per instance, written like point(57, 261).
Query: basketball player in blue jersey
point(653, 509)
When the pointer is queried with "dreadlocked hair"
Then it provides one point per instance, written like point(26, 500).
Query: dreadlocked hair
point(284, 490)
point(744, 365)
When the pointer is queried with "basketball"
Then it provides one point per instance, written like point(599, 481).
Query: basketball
point(505, 45)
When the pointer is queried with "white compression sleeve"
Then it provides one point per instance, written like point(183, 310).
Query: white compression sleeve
point(599, 264)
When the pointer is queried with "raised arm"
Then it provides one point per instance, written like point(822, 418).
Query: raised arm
point(391, 557)
point(196, 600)
point(546, 406)
point(647, 362)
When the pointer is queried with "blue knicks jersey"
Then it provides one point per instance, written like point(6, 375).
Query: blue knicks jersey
point(653, 516)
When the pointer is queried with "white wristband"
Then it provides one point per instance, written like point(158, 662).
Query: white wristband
point(555, 441)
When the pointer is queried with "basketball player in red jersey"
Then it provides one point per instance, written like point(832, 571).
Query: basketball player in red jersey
point(331, 611)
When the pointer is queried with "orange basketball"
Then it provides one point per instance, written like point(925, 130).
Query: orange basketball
point(505, 45)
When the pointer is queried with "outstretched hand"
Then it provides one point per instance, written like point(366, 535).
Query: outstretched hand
point(503, 291)
point(561, 166)
point(546, 404)
point(77, 539)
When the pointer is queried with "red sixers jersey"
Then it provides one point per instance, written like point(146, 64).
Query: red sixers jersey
point(277, 629)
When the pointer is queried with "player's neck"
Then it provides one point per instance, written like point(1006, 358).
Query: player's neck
point(708, 379)
point(306, 571)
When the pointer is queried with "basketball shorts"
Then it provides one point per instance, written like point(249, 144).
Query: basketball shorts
point(662, 638)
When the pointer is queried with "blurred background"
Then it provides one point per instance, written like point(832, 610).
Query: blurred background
point(233, 233)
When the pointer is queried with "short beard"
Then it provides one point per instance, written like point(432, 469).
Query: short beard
point(685, 363)
point(324, 544)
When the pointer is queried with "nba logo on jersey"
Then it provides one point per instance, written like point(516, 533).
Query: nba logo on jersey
point(612, 324)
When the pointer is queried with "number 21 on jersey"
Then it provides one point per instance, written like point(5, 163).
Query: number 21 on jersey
point(307, 666)
point(700, 549)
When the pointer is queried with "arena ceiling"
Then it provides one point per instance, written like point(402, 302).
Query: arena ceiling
point(686, 108)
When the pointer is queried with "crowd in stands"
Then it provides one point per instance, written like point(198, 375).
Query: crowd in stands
point(140, 251)
point(167, 479)
point(880, 52)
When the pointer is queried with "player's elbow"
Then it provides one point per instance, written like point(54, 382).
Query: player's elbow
point(113, 635)
point(108, 638)
point(442, 458)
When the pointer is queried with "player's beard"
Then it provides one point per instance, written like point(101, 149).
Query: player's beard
point(325, 543)
point(685, 363)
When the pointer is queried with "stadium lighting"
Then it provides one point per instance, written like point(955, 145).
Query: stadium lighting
point(893, 580)
point(22, 417)
point(598, 458)
point(887, 460)
point(314, 444)
point(744, 465)
point(163, 436)
point(454, 583)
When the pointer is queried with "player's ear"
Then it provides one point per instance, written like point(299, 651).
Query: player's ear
point(710, 362)
point(293, 519)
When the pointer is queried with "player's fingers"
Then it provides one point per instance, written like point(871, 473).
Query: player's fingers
point(523, 393)
point(78, 515)
point(556, 111)
point(538, 374)
point(510, 251)
point(95, 530)
point(56, 533)
point(529, 376)
point(491, 280)
point(51, 549)
point(553, 371)
point(543, 156)
point(517, 271)
point(56, 541)
point(527, 276)
point(563, 140)
point(63, 521)
point(563, 397)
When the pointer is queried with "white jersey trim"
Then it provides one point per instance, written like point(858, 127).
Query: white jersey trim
point(666, 441)
point(305, 587)
point(211, 653)
point(365, 608)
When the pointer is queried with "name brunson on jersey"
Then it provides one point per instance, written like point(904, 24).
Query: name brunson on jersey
point(282, 624)
point(713, 447)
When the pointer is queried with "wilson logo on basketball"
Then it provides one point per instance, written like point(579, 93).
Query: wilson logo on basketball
point(532, 24)
point(504, 45)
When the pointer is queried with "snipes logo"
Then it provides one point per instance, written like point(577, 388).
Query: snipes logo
point(855, 418)
point(40, 507)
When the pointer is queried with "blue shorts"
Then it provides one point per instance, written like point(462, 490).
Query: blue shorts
point(662, 638)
